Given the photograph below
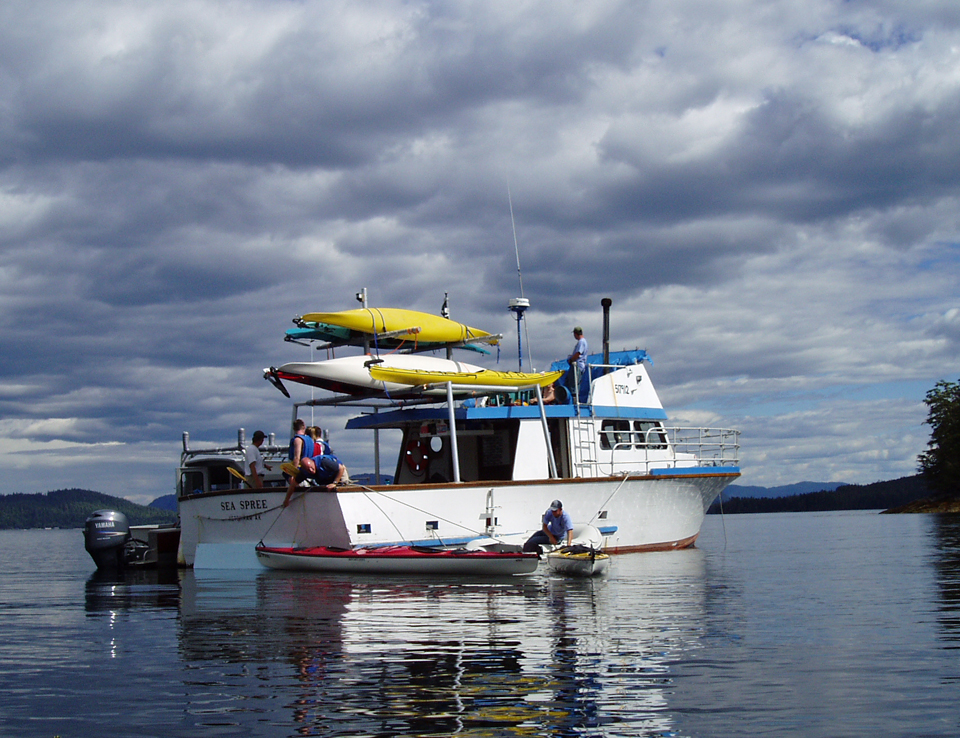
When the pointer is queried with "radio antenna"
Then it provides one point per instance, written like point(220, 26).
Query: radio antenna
point(518, 305)
point(516, 244)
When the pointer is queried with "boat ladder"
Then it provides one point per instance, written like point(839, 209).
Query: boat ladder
point(584, 446)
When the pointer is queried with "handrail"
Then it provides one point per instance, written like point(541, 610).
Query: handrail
point(673, 448)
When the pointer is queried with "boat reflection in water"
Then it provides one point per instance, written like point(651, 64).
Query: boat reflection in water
point(404, 656)
point(129, 589)
point(326, 655)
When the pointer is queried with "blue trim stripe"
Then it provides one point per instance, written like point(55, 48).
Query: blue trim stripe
point(421, 415)
point(695, 471)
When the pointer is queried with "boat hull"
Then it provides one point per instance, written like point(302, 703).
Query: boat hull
point(578, 564)
point(398, 560)
point(645, 513)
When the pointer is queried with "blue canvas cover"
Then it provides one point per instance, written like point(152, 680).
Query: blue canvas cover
point(617, 358)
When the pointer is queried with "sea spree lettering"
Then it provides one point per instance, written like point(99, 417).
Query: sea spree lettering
point(244, 505)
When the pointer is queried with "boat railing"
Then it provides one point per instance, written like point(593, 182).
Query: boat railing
point(663, 447)
point(268, 449)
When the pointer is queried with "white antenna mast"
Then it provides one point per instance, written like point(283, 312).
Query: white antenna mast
point(516, 244)
point(518, 304)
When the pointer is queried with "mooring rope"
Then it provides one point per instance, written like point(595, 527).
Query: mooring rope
point(418, 509)
point(612, 495)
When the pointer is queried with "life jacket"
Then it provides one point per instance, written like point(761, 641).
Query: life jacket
point(328, 466)
point(307, 446)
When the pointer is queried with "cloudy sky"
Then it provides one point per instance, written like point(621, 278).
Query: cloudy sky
point(768, 191)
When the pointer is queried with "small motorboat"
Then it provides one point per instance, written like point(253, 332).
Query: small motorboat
point(399, 560)
point(578, 561)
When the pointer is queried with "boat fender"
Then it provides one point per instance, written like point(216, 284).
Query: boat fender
point(417, 456)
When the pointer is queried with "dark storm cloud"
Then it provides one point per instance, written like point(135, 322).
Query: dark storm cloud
point(767, 192)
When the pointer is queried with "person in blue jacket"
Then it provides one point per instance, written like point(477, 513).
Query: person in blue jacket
point(301, 445)
point(556, 526)
point(324, 470)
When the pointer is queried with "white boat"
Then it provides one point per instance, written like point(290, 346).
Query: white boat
point(482, 468)
point(412, 560)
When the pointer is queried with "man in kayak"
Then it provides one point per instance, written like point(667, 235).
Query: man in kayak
point(556, 525)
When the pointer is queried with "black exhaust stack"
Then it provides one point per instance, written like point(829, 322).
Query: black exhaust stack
point(606, 302)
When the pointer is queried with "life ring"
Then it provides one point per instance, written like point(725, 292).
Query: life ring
point(417, 455)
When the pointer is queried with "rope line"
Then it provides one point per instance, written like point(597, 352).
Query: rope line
point(419, 510)
point(612, 495)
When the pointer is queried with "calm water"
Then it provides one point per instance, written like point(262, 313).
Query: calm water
point(828, 624)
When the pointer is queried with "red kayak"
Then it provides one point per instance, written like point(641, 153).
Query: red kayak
point(399, 560)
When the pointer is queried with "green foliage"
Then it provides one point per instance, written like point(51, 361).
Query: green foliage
point(940, 463)
point(876, 496)
point(69, 508)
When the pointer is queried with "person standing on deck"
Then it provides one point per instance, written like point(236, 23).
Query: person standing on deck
point(301, 445)
point(254, 466)
point(577, 361)
point(319, 445)
point(556, 525)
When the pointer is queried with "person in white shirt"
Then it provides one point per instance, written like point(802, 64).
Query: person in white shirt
point(253, 464)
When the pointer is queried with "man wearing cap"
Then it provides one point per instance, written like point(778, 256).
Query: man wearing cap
point(556, 524)
point(577, 361)
point(253, 466)
point(579, 355)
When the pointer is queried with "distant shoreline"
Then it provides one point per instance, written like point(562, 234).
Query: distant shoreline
point(946, 503)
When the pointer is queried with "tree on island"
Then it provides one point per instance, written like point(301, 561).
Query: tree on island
point(940, 463)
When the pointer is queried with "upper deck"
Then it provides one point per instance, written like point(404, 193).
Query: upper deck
point(618, 389)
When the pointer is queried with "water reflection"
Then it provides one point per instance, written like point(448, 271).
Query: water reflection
point(112, 591)
point(947, 563)
point(326, 655)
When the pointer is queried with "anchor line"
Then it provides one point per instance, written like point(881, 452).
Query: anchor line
point(612, 495)
point(420, 510)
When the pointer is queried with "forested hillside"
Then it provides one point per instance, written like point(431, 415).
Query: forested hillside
point(876, 496)
point(69, 508)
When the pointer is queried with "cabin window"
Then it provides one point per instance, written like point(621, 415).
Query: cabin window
point(191, 483)
point(649, 434)
point(615, 433)
point(220, 478)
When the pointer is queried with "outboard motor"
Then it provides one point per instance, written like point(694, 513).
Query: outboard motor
point(105, 536)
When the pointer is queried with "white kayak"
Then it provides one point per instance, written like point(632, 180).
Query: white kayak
point(351, 374)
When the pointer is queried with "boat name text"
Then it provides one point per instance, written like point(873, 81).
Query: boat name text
point(228, 505)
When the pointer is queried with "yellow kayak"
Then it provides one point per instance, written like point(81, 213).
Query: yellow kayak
point(484, 377)
point(432, 328)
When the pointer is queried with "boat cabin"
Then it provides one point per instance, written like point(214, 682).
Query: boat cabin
point(617, 429)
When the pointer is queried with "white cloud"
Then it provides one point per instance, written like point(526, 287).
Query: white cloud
point(769, 193)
